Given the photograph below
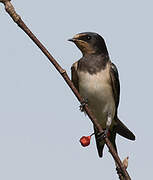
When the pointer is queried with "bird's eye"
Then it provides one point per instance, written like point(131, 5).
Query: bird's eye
point(88, 37)
point(85, 38)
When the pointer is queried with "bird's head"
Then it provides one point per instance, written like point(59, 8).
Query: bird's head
point(90, 43)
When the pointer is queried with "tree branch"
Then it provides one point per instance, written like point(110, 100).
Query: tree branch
point(17, 19)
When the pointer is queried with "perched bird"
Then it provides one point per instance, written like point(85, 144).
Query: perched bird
point(97, 80)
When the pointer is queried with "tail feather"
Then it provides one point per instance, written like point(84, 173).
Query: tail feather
point(100, 144)
point(100, 148)
point(122, 130)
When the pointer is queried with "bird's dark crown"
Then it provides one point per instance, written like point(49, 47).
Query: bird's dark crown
point(90, 43)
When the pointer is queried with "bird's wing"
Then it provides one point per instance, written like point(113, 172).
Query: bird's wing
point(74, 75)
point(115, 84)
point(120, 128)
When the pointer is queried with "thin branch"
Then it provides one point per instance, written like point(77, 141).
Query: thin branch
point(118, 170)
point(17, 19)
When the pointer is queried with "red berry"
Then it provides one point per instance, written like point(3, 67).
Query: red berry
point(85, 141)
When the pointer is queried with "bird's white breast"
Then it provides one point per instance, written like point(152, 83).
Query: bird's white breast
point(98, 91)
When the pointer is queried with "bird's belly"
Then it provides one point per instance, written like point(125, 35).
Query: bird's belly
point(97, 90)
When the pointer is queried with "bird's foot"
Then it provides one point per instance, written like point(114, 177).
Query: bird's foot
point(83, 103)
point(103, 135)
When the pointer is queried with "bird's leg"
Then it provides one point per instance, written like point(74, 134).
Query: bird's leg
point(83, 103)
point(106, 131)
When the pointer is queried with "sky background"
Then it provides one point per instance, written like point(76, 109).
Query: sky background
point(40, 121)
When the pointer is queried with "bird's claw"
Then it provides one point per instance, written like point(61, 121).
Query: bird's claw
point(103, 135)
point(83, 103)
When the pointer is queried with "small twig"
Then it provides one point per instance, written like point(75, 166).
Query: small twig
point(119, 172)
point(125, 162)
point(17, 19)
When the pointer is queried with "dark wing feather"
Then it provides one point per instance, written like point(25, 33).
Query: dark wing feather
point(74, 75)
point(120, 128)
point(115, 84)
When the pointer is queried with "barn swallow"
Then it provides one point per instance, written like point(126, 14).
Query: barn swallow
point(97, 80)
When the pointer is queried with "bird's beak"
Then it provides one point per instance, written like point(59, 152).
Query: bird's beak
point(72, 40)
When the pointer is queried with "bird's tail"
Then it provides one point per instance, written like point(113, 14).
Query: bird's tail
point(122, 130)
